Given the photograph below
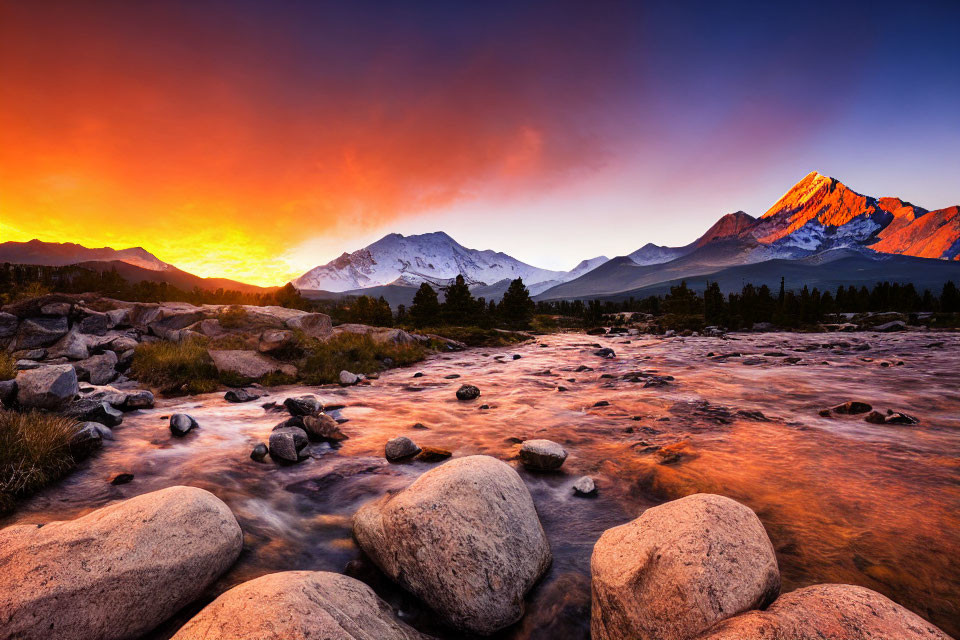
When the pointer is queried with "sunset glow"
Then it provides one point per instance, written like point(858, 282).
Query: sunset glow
point(254, 143)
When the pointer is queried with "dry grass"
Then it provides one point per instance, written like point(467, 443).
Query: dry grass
point(8, 370)
point(356, 353)
point(34, 451)
point(174, 366)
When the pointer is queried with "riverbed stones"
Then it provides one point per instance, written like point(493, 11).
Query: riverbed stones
point(400, 448)
point(298, 605)
point(240, 395)
point(464, 537)
point(116, 572)
point(94, 409)
point(286, 443)
point(468, 392)
point(680, 568)
point(181, 424)
point(584, 486)
point(835, 611)
point(542, 455)
point(303, 405)
point(323, 428)
point(50, 387)
point(259, 452)
point(347, 379)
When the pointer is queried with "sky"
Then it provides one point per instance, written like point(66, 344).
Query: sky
point(256, 140)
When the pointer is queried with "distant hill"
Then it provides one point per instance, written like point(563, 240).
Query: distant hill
point(173, 276)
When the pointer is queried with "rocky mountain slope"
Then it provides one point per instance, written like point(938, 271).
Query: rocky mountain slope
point(56, 254)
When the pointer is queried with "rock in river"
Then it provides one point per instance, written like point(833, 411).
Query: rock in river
point(259, 452)
point(399, 448)
point(116, 572)
point(835, 611)
point(468, 392)
point(286, 443)
point(680, 568)
point(584, 486)
point(323, 428)
point(298, 605)
point(181, 424)
point(464, 537)
point(543, 455)
point(52, 387)
point(303, 405)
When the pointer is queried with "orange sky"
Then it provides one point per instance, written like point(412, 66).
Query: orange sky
point(255, 140)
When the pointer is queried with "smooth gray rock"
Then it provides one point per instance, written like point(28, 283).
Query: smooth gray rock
point(286, 443)
point(464, 538)
point(313, 325)
point(141, 399)
point(584, 486)
point(399, 448)
point(259, 452)
point(834, 611)
point(323, 428)
point(181, 424)
point(94, 409)
point(680, 568)
point(117, 572)
point(40, 332)
point(298, 605)
point(87, 439)
point(888, 327)
point(347, 378)
point(51, 387)
point(303, 405)
point(248, 364)
point(72, 346)
point(273, 340)
point(542, 455)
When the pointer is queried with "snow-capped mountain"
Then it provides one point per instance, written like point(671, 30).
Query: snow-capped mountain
point(430, 257)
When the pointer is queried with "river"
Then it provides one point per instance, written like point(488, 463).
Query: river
point(843, 500)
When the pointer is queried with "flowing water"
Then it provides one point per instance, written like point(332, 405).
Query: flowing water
point(843, 500)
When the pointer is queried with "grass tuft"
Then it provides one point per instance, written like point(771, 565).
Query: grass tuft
point(8, 369)
point(174, 366)
point(34, 451)
point(356, 353)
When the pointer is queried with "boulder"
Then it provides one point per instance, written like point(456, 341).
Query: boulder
point(313, 325)
point(181, 424)
point(99, 369)
point(834, 611)
point(464, 538)
point(8, 325)
point(140, 399)
point(303, 405)
point(248, 364)
point(606, 352)
point(887, 327)
point(399, 448)
point(41, 332)
point(286, 443)
point(680, 568)
point(94, 409)
point(347, 378)
point(468, 392)
point(71, 346)
point(56, 309)
point(323, 428)
point(298, 605)
point(543, 455)
point(118, 317)
point(122, 344)
point(87, 439)
point(433, 454)
point(52, 387)
point(851, 407)
point(273, 340)
point(116, 572)
point(96, 324)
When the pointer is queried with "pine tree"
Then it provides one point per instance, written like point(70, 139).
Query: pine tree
point(516, 307)
point(425, 310)
point(459, 307)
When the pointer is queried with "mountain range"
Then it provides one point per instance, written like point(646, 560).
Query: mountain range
point(820, 233)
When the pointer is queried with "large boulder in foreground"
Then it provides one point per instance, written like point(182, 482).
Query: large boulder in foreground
point(835, 611)
point(464, 537)
point(680, 568)
point(298, 605)
point(52, 387)
point(117, 572)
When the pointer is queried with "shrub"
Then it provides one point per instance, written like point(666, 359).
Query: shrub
point(34, 451)
point(356, 353)
point(233, 317)
point(8, 369)
point(173, 366)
